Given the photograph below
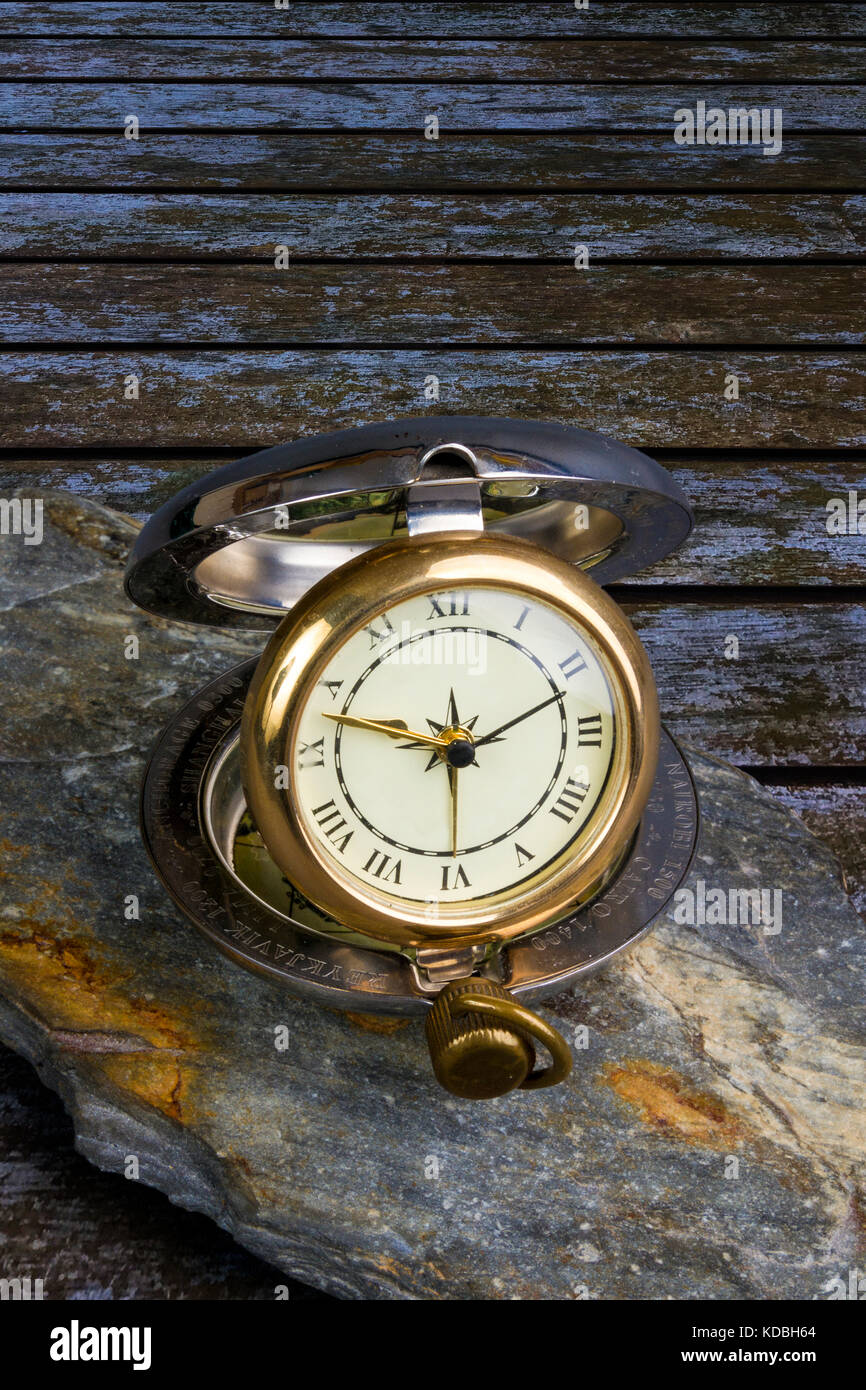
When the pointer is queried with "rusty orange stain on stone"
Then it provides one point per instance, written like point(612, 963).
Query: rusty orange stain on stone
point(665, 1101)
point(75, 993)
point(375, 1023)
point(12, 854)
point(157, 1078)
point(83, 998)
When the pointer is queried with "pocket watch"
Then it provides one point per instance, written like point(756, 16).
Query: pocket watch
point(443, 788)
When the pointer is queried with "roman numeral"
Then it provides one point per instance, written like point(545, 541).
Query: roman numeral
point(382, 632)
point(589, 731)
point(451, 605)
point(333, 686)
point(523, 855)
point(460, 879)
point(572, 665)
point(377, 865)
point(329, 820)
point(570, 801)
point(522, 619)
point(312, 754)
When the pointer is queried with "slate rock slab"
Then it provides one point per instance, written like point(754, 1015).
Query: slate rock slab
point(710, 1144)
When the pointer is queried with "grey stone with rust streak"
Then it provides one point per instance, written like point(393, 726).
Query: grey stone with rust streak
point(704, 1044)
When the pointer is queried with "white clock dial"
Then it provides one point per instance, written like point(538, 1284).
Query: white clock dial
point(509, 742)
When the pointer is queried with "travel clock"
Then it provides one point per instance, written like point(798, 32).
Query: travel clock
point(443, 788)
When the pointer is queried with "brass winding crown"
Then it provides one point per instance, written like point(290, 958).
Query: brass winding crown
point(481, 1042)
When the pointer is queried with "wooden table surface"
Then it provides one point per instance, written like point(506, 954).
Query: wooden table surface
point(411, 259)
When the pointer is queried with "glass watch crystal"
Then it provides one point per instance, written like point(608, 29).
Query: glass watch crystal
point(463, 762)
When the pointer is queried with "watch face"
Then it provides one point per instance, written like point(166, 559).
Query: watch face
point(451, 739)
point(508, 737)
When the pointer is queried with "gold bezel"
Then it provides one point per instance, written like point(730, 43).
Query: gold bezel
point(352, 597)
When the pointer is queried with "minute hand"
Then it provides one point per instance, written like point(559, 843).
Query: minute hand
point(488, 738)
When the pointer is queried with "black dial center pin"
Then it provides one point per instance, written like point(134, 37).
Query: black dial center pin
point(460, 752)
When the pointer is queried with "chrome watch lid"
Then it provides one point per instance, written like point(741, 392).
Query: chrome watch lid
point(239, 547)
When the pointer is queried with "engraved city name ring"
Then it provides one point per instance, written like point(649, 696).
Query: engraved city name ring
point(444, 787)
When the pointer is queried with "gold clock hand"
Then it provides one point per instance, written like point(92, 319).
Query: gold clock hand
point(453, 783)
point(394, 728)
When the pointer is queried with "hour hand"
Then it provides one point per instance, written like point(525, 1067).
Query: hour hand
point(394, 728)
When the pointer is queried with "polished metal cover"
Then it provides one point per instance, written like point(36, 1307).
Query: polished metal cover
point(240, 547)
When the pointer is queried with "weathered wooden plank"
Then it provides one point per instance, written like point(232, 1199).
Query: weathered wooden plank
point(506, 303)
point(619, 226)
point(249, 399)
point(601, 18)
point(493, 161)
point(403, 106)
point(793, 696)
point(837, 814)
point(439, 60)
point(764, 520)
point(760, 519)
